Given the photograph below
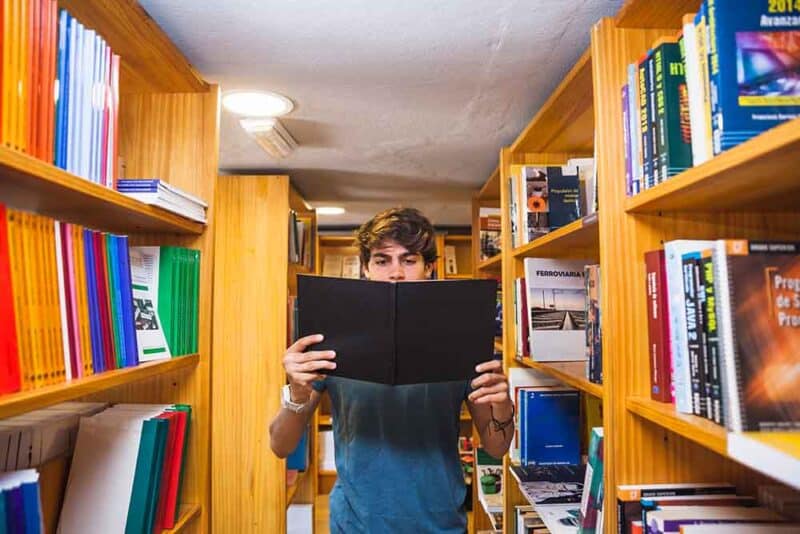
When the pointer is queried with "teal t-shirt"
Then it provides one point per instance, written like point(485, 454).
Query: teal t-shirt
point(397, 462)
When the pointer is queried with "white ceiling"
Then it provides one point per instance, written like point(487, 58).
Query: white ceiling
point(396, 102)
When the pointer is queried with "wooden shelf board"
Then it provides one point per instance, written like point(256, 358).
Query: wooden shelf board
point(571, 373)
point(565, 123)
point(648, 14)
point(336, 240)
point(697, 429)
point(186, 513)
point(726, 182)
point(776, 454)
point(150, 60)
point(457, 238)
point(290, 492)
point(34, 185)
point(498, 346)
point(495, 263)
point(458, 277)
point(491, 189)
point(580, 234)
point(327, 473)
point(25, 401)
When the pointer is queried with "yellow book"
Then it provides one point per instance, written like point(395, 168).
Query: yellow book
point(24, 68)
point(41, 286)
point(53, 308)
point(19, 285)
point(31, 265)
point(83, 301)
point(5, 126)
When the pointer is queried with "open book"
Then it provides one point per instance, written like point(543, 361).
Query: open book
point(400, 333)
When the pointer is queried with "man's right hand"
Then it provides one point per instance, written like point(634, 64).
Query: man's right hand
point(303, 368)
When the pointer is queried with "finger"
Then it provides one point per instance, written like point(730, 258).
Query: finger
point(492, 365)
point(488, 390)
point(310, 367)
point(304, 342)
point(314, 355)
point(488, 379)
point(305, 379)
point(494, 398)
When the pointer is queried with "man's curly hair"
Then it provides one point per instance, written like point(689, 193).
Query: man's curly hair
point(406, 226)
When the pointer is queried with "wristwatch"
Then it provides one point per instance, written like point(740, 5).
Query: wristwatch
point(286, 400)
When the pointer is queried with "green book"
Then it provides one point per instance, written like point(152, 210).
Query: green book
point(674, 130)
point(195, 301)
point(3, 527)
point(139, 507)
point(156, 471)
point(116, 304)
point(166, 295)
point(181, 315)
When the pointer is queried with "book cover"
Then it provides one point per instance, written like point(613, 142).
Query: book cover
point(754, 68)
point(519, 379)
point(658, 327)
point(150, 337)
point(644, 120)
point(594, 344)
point(652, 118)
point(400, 333)
point(714, 377)
point(634, 127)
point(550, 484)
point(563, 188)
point(550, 427)
point(556, 312)
point(694, 330)
point(592, 498)
point(10, 379)
point(536, 221)
point(674, 130)
point(758, 297)
point(489, 233)
point(95, 326)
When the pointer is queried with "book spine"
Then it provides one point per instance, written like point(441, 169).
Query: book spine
point(712, 338)
point(627, 141)
point(644, 125)
point(653, 118)
point(658, 327)
point(678, 137)
point(692, 334)
point(731, 401)
point(713, 77)
point(704, 365)
point(633, 128)
point(661, 113)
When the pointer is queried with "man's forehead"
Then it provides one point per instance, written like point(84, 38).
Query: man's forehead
point(390, 248)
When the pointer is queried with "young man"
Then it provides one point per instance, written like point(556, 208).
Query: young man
point(396, 447)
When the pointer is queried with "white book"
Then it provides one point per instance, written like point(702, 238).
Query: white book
point(299, 519)
point(72, 95)
point(584, 167)
point(103, 447)
point(62, 300)
point(327, 451)
point(668, 520)
point(450, 266)
point(150, 338)
point(694, 86)
point(86, 109)
point(679, 347)
point(556, 308)
point(351, 267)
point(634, 128)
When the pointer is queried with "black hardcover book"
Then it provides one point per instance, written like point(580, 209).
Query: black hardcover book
point(400, 333)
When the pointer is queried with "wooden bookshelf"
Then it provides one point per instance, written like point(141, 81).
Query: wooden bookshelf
point(187, 513)
point(725, 183)
point(642, 14)
point(32, 184)
point(492, 264)
point(325, 420)
point(565, 122)
point(252, 245)
point(582, 235)
point(776, 454)
point(26, 401)
point(490, 191)
point(570, 373)
point(464, 256)
point(698, 429)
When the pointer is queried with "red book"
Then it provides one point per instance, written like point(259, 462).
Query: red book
point(10, 379)
point(103, 302)
point(67, 296)
point(168, 499)
point(658, 339)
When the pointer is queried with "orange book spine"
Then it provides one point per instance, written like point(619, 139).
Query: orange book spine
point(50, 79)
point(19, 285)
point(32, 265)
point(23, 67)
point(83, 301)
point(56, 349)
point(32, 77)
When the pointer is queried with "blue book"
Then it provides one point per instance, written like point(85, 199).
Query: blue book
point(15, 510)
point(61, 69)
point(523, 427)
point(71, 95)
point(31, 507)
point(563, 190)
point(298, 459)
point(126, 292)
point(754, 68)
point(114, 273)
point(3, 520)
point(552, 426)
point(98, 355)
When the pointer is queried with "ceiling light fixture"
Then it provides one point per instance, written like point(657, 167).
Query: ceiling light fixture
point(257, 104)
point(270, 135)
point(330, 210)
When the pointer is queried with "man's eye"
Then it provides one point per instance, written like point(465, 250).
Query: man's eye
point(411, 261)
point(380, 262)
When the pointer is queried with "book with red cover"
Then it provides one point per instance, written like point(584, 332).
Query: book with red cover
point(10, 379)
point(170, 483)
point(658, 335)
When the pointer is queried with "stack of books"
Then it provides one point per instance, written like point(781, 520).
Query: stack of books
point(159, 193)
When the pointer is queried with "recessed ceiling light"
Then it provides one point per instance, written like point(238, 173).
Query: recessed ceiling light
point(257, 104)
point(330, 210)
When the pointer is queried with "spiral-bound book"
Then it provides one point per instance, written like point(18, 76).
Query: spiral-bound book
point(400, 333)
